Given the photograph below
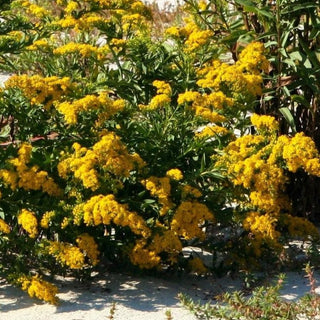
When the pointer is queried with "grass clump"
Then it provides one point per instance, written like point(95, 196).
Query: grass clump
point(265, 303)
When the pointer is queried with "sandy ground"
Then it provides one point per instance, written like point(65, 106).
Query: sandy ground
point(136, 298)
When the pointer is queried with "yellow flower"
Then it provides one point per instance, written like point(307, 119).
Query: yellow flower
point(9, 178)
point(108, 154)
point(67, 254)
point(158, 101)
point(65, 222)
point(4, 227)
point(29, 178)
point(252, 58)
point(46, 219)
point(40, 90)
point(188, 191)
point(37, 287)
point(211, 131)
point(105, 209)
point(28, 221)
point(162, 87)
point(173, 31)
point(87, 244)
point(160, 188)
point(209, 115)
point(301, 152)
point(188, 219)
point(100, 102)
point(143, 257)
point(301, 227)
point(197, 39)
point(84, 49)
point(264, 123)
point(72, 6)
point(38, 44)
point(174, 174)
point(203, 5)
point(188, 96)
point(264, 225)
point(146, 255)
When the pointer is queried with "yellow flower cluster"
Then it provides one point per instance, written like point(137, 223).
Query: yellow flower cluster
point(204, 105)
point(252, 59)
point(105, 210)
point(71, 6)
point(258, 163)
point(65, 222)
point(40, 90)
point(37, 287)
point(4, 227)
point(301, 152)
point(162, 87)
point(46, 219)
point(87, 21)
point(212, 131)
point(194, 38)
point(188, 219)
point(264, 123)
point(13, 38)
point(35, 10)
point(143, 257)
point(161, 99)
point(28, 178)
point(67, 254)
point(160, 188)
point(29, 222)
point(133, 21)
point(232, 78)
point(101, 102)
point(188, 96)
point(197, 39)
point(146, 255)
point(84, 49)
point(109, 154)
point(39, 44)
point(188, 191)
point(132, 15)
point(174, 174)
point(87, 244)
point(263, 225)
point(229, 83)
point(301, 227)
point(249, 163)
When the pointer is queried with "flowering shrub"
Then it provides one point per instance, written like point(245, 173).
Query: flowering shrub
point(121, 146)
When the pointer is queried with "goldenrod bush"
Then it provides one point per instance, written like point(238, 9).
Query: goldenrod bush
point(123, 145)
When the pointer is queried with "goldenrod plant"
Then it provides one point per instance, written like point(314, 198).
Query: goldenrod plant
point(123, 145)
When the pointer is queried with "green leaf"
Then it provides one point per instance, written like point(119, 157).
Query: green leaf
point(291, 63)
point(300, 99)
point(299, 7)
point(289, 118)
point(1, 213)
point(5, 131)
point(296, 55)
point(252, 7)
point(149, 201)
point(311, 55)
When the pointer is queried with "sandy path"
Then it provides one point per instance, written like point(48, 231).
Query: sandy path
point(136, 298)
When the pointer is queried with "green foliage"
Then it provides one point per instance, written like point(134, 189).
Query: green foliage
point(264, 302)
